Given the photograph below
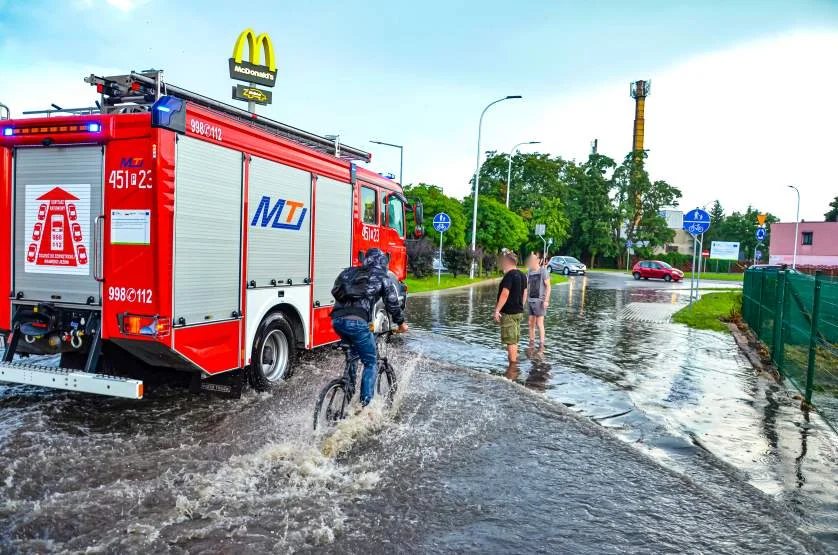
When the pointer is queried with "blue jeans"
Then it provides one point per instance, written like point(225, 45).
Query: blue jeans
point(357, 333)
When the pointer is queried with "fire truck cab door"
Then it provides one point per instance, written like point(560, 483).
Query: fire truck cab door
point(58, 199)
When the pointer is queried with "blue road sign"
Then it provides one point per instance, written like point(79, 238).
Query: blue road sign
point(696, 221)
point(442, 222)
point(760, 234)
point(629, 244)
point(758, 254)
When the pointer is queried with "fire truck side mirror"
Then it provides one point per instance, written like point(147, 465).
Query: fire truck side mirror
point(418, 218)
point(169, 113)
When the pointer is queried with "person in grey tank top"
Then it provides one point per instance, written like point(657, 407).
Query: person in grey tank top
point(538, 292)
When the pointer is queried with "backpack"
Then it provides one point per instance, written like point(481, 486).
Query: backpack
point(351, 284)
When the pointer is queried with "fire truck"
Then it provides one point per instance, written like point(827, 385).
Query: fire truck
point(164, 229)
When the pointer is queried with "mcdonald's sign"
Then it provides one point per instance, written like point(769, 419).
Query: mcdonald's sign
point(253, 71)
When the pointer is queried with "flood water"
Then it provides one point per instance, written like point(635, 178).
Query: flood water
point(466, 460)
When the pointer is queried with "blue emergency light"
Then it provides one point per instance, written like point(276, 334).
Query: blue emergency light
point(7, 132)
point(94, 127)
point(169, 113)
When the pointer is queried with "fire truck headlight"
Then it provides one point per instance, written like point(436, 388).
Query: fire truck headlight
point(7, 132)
point(94, 127)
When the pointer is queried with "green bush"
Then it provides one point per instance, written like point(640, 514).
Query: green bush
point(420, 258)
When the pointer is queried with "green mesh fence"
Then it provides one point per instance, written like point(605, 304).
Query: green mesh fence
point(796, 317)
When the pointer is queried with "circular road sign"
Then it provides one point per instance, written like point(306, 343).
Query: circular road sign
point(760, 234)
point(442, 222)
point(696, 221)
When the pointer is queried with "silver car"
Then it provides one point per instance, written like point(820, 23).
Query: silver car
point(566, 265)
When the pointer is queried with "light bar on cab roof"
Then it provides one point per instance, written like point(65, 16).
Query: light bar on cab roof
point(90, 127)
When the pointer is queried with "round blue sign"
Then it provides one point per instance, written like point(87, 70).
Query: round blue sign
point(696, 221)
point(442, 222)
point(760, 234)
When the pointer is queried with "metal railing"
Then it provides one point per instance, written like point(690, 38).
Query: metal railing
point(796, 317)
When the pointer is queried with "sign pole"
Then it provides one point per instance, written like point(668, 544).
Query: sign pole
point(439, 266)
point(700, 261)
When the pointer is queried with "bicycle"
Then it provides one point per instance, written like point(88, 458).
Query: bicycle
point(336, 396)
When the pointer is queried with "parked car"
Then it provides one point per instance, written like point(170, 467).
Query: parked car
point(656, 269)
point(566, 265)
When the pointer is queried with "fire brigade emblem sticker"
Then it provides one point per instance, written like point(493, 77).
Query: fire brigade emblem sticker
point(57, 234)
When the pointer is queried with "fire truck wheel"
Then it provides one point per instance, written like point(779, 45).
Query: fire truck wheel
point(273, 353)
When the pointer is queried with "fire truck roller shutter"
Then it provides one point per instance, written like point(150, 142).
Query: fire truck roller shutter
point(332, 236)
point(208, 231)
point(279, 232)
point(55, 188)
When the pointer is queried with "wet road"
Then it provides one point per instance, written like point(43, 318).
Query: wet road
point(466, 461)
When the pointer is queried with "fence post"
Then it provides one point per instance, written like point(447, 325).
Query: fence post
point(813, 337)
point(777, 347)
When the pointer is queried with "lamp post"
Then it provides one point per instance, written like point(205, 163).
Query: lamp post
point(401, 158)
point(477, 177)
point(796, 226)
point(509, 171)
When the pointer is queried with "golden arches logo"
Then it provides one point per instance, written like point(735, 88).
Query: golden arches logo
point(255, 44)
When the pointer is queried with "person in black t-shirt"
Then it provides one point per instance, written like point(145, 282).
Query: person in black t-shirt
point(509, 310)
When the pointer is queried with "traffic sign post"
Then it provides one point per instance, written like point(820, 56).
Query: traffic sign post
point(760, 234)
point(442, 222)
point(696, 223)
point(629, 244)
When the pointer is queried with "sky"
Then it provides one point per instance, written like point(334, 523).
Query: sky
point(744, 98)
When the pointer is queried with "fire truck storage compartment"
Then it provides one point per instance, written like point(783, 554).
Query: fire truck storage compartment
point(58, 197)
point(208, 232)
point(332, 236)
point(279, 235)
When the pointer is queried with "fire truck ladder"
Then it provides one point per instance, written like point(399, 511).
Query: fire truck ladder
point(144, 88)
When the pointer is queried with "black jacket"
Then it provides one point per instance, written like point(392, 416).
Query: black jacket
point(379, 286)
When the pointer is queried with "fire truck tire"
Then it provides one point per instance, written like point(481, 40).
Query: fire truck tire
point(274, 350)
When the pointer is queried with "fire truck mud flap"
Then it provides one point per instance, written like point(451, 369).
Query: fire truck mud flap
point(70, 380)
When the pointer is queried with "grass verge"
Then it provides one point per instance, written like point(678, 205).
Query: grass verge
point(421, 285)
point(718, 276)
point(711, 311)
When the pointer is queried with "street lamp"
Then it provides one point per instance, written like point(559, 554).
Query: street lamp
point(796, 225)
point(401, 158)
point(509, 171)
point(477, 176)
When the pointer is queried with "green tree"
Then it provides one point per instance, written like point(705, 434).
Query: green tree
point(551, 213)
point(639, 201)
point(589, 208)
point(741, 227)
point(534, 176)
point(717, 218)
point(497, 226)
point(435, 201)
point(832, 215)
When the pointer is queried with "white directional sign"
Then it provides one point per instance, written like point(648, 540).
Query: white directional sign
point(724, 250)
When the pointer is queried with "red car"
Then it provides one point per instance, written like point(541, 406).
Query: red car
point(656, 269)
point(71, 211)
point(82, 252)
point(30, 254)
point(36, 232)
point(76, 232)
point(42, 212)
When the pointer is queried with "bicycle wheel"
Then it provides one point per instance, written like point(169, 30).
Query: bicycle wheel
point(386, 385)
point(331, 404)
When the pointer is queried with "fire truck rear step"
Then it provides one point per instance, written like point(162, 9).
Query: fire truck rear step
point(70, 380)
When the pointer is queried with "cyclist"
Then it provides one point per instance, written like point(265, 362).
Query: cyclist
point(356, 292)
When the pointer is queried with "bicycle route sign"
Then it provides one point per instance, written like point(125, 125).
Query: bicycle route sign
point(696, 221)
point(442, 222)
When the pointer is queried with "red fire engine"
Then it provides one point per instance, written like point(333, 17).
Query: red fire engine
point(168, 230)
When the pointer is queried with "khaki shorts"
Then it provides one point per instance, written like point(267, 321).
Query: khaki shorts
point(510, 328)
